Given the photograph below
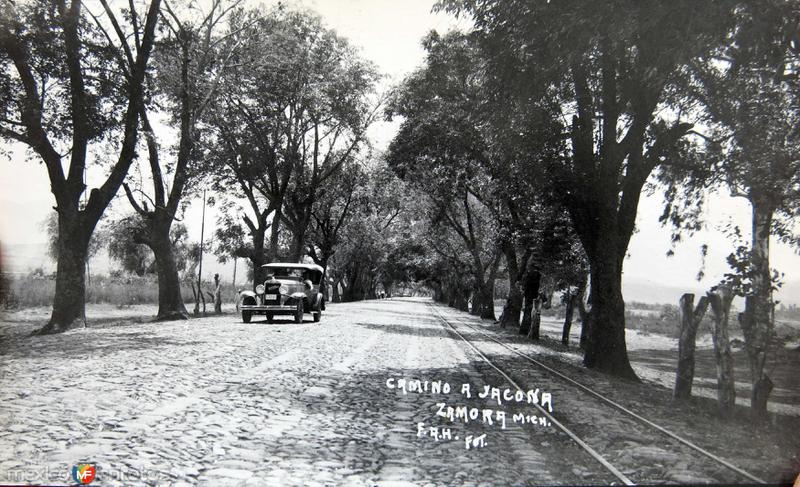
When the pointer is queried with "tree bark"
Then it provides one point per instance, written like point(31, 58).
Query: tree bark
point(258, 257)
point(757, 320)
point(487, 300)
point(275, 231)
point(690, 319)
point(570, 304)
point(477, 301)
point(531, 291)
point(298, 242)
point(583, 312)
point(335, 296)
point(454, 293)
point(69, 308)
point(605, 345)
point(170, 299)
point(720, 301)
point(536, 319)
point(513, 306)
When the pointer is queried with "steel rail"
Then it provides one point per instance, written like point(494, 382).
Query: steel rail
point(608, 466)
point(623, 408)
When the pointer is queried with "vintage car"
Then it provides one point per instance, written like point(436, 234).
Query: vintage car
point(290, 289)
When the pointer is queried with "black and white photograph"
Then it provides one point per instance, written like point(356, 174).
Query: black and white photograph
point(399, 243)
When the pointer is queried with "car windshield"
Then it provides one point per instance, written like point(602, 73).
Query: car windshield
point(294, 273)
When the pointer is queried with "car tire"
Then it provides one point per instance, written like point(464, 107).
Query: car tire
point(298, 314)
point(269, 318)
point(247, 316)
point(317, 313)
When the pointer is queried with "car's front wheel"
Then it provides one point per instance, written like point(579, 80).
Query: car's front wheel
point(298, 314)
point(317, 313)
point(247, 316)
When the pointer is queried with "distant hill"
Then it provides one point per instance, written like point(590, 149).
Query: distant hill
point(22, 258)
point(652, 292)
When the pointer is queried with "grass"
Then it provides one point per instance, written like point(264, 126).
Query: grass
point(664, 319)
point(38, 290)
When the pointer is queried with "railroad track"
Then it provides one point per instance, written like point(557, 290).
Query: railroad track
point(613, 459)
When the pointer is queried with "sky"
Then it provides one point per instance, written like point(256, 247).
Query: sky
point(388, 32)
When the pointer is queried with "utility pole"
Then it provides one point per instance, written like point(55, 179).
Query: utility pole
point(235, 291)
point(200, 266)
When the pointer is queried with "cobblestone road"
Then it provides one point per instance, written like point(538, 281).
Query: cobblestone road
point(218, 402)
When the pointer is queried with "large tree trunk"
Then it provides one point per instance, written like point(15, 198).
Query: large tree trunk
point(605, 347)
point(258, 257)
point(487, 300)
point(170, 299)
point(533, 279)
point(355, 290)
point(274, 236)
point(536, 319)
point(298, 244)
point(583, 312)
point(335, 296)
point(69, 303)
point(477, 301)
point(513, 306)
point(454, 293)
point(459, 298)
point(570, 304)
point(757, 319)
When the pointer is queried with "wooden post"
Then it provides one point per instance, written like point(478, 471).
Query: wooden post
point(720, 301)
point(235, 292)
point(690, 319)
point(195, 293)
point(200, 270)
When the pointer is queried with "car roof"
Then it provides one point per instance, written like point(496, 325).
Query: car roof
point(312, 267)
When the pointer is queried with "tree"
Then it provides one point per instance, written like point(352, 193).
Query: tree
point(60, 92)
point(134, 257)
point(463, 130)
point(610, 68)
point(333, 210)
point(359, 262)
point(749, 101)
point(125, 246)
point(293, 114)
point(51, 228)
point(440, 151)
point(189, 61)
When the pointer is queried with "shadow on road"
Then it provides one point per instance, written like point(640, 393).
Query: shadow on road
point(409, 330)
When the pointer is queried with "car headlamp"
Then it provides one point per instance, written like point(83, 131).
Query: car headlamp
point(260, 289)
point(284, 289)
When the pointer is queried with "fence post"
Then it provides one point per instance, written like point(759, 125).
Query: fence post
point(690, 319)
point(720, 300)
